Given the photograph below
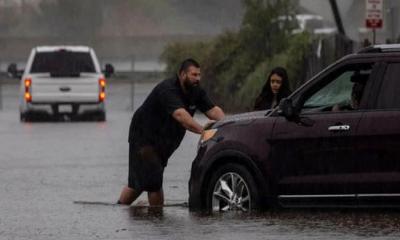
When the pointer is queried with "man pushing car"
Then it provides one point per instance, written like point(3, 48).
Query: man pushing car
point(158, 127)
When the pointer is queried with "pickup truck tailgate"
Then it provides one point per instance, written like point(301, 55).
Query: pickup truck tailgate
point(47, 89)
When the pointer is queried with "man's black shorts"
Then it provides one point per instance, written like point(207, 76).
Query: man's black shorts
point(145, 168)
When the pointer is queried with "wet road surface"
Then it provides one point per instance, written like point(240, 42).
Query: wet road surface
point(49, 170)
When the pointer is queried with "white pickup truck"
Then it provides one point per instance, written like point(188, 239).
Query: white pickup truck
point(62, 81)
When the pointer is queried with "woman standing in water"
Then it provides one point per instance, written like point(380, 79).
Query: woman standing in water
point(276, 88)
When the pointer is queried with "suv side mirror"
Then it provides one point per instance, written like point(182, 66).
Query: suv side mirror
point(286, 108)
point(13, 71)
point(109, 69)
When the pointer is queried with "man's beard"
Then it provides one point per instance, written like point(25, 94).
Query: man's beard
point(191, 88)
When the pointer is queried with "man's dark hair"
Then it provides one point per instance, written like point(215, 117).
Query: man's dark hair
point(187, 63)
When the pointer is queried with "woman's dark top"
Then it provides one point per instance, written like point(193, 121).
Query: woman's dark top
point(269, 100)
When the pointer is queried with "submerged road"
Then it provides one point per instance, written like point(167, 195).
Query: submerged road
point(58, 178)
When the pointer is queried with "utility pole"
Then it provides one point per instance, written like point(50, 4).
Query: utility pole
point(132, 81)
point(336, 15)
point(1, 96)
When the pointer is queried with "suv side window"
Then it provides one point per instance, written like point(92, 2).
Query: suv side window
point(389, 97)
point(342, 93)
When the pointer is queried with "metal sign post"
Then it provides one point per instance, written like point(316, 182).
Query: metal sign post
point(374, 16)
point(132, 81)
point(1, 96)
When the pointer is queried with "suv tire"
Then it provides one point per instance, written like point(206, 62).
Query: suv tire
point(232, 188)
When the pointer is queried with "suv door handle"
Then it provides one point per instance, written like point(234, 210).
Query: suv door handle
point(339, 128)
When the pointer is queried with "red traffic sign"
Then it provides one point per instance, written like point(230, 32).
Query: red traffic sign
point(374, 23)
point(374, 13)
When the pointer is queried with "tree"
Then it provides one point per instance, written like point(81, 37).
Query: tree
point(235, 64)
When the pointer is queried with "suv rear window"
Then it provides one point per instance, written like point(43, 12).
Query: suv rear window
point(63, 63)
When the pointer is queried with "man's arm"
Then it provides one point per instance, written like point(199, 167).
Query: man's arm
point(215, 113)
point(187, 121)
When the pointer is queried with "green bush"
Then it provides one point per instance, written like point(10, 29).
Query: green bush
point(235, 65)
point(174, 53)
point(292, 59)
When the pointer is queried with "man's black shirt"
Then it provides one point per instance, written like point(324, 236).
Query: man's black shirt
point(153, 124)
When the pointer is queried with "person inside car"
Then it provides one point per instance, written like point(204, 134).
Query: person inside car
point(359, 81)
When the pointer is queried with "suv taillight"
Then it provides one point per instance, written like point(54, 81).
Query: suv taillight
point(102, 92)
point(28, 84)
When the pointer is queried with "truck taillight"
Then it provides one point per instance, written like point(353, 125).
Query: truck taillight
point(28, 82)
point(102, 92)
point(102, 82)
point(102, 96)
point(28, 95)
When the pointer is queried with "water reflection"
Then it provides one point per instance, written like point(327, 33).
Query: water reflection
point(174, 223)
point(145, 213)
point(358, 222)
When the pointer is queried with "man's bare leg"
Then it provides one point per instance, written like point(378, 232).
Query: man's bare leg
point(128, 195)
point(156, 198)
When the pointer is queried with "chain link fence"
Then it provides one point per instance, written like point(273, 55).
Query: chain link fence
point(325, 51)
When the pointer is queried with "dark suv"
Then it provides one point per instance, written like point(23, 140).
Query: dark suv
point(334, 142)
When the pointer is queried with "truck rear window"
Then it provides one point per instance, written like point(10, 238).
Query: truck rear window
point(63, 63)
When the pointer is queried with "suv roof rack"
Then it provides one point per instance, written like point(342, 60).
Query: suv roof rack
point(381, 48)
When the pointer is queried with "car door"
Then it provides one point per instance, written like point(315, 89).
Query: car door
point(314, 157)
point(379, 134)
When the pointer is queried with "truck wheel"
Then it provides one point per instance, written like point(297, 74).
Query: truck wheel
point(101, 117)
point(25, 117)
point(232, 188)
point(21, 117)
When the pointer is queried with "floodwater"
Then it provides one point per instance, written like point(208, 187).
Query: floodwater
point(58, 180)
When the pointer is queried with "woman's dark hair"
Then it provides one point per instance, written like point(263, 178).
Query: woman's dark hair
point(264, 100)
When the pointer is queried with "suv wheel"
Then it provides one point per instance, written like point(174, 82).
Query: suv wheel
point(232, 188)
